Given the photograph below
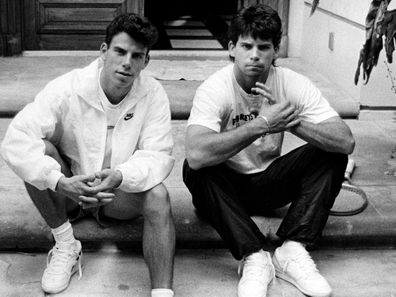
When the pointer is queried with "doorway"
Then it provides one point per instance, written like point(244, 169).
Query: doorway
point(199, 25)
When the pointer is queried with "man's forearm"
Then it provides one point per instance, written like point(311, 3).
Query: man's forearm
point(331, 136)
point(214, 148)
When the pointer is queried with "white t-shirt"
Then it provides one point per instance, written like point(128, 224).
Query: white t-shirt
point(221, 104)
point(113, 113)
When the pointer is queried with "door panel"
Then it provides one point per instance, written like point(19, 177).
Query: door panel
point(71, 42)
point(71, 24)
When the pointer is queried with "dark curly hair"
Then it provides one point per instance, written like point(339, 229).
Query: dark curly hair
point(138, 28)
point(258, 21)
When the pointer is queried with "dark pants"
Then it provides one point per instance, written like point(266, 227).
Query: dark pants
point(307, 177)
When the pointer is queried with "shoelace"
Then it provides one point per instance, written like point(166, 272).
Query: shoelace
point(304, 262)
point(255, 268)
point(59, 257)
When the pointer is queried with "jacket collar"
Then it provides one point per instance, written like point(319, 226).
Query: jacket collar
point(87, 85)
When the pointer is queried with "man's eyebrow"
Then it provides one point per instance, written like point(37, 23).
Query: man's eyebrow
point(121, 49)
point(118, 48)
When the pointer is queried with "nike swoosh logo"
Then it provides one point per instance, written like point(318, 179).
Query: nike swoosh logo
point(128, 116)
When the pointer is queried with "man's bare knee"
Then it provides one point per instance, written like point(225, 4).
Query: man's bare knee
point(157, 206)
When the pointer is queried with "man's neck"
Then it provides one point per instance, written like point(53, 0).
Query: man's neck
point(114, 95)
point(249, 82)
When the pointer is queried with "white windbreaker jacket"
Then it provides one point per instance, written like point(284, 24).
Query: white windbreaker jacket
point(68, 113)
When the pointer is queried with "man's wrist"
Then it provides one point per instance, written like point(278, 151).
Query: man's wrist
point(266, 123)
point(295, 128)
point(53, 178)
point(119, 178)
point(58, 186)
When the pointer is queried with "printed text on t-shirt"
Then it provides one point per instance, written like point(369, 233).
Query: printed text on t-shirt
point(242, 119)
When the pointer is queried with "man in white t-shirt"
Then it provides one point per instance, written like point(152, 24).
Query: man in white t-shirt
point(97, 141)
point(234, 168)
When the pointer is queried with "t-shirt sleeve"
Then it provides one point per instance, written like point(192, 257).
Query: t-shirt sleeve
point(207, 108)
point(315, 107)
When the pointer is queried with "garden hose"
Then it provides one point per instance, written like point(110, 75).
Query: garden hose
point(347, 185)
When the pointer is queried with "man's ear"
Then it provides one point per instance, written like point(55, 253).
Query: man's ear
point(231, 49)
point(103, 50)
point(147, 60)
point(276, 55)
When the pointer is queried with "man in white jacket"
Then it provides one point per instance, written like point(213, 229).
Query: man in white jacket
point(98, 140)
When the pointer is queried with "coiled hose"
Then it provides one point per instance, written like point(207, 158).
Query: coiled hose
point(347, 185)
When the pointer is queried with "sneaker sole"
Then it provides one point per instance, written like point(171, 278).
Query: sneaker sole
point(283, 276)
point(266, 292)
point(280, 274)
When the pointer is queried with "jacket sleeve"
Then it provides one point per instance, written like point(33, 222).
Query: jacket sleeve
point(23, 148)
point(152, 162)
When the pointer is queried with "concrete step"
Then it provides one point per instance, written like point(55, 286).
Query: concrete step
point(21, 226)
point(21, 78)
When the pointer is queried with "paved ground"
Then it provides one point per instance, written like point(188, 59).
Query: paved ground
point(198, 273)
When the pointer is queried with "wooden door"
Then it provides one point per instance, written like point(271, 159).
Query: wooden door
point(71, 24)
point(10, 27)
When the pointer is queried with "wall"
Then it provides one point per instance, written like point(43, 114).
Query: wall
point(345, 19)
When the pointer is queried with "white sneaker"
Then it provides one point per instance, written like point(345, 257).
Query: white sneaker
point(300, 270)
point(62, 263)
point(257, 272)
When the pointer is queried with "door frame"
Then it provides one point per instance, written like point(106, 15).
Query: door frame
point(11, 23)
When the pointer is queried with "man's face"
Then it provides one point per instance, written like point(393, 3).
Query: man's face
point(253, 57)
point(123, 60)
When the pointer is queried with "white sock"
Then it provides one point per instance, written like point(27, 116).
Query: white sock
point(64, 233)
point(162, 293)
